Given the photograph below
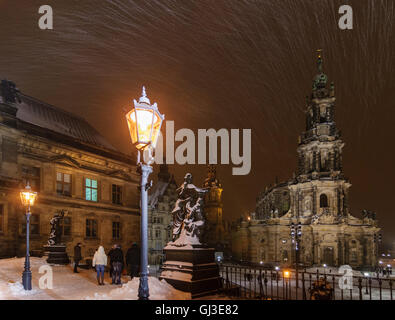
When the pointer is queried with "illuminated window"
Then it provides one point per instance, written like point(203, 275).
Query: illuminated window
point(63, 184)
point(91, 228)
point(116, 230)
point(116, 194)
point(90, 189)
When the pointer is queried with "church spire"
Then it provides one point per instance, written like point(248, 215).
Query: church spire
point(211, 180)
point(321, 79)
point(319, 60)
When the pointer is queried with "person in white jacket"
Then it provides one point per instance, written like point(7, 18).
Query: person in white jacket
point(100, 262)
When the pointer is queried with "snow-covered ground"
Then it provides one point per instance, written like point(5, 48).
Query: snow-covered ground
point(76, 286)
point(278, 289)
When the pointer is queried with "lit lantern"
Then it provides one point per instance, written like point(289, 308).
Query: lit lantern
point(286, 274)
point(28, 196)
point(144, 122)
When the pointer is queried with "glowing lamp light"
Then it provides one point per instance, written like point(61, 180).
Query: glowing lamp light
point(28, 196)
point(277, 268)
point(286, 274)
point(325, 265)
point(381, 262)
point(366, 274)
point(144, 122)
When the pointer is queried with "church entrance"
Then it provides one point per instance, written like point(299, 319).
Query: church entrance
point(328, 256)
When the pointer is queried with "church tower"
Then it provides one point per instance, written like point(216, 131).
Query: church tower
point(316, 198)
point(213, 209)
point(320, 154)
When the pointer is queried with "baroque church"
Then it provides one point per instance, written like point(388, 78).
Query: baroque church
point(72, 168)
point(316, 199)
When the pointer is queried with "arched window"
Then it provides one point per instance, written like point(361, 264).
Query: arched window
point(323, 201)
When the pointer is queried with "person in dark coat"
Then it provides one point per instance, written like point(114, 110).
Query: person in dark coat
point(77, 256)
point(109, 255)
point(133, 260)
point(117, 262)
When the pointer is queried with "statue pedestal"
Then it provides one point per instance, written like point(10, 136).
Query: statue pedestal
point(191, 269)
point(57, 254)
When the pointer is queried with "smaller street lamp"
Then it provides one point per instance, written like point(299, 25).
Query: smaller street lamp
point(28, 197)
point(296, 235)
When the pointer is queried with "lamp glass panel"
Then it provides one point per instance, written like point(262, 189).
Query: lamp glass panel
point(156, 128)
point(132, 124)
point(145, 119)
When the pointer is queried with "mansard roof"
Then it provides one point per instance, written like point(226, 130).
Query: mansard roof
point(159, 190)
point(46, 116)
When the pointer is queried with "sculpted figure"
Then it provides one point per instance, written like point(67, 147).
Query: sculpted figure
point(56, 233)
point(188, 217)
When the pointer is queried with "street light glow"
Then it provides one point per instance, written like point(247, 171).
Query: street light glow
point(28, 196)
point(144, 122)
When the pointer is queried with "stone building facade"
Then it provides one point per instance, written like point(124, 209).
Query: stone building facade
point(73, 168)
point(161, 202)
point(317, 197)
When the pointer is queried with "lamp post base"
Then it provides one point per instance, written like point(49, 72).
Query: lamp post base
point(143, 288)
point(27, 280)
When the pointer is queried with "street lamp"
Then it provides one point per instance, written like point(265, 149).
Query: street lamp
point(27, 198)
point(144, 123)
point(296, 235)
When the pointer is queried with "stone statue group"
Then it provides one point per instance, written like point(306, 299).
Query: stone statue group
point(188, 215)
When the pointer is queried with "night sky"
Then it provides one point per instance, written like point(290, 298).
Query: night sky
point(220, 64)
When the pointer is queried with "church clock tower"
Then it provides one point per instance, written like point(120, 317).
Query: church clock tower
point(213, 209)
point(320, 155)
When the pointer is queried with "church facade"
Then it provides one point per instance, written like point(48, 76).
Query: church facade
point(73, 168)
point(316, 199)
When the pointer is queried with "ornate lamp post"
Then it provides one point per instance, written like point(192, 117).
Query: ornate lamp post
point(296, 235)
point(27, 198)
point(144, 122)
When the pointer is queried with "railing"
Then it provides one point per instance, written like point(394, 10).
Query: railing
point(259, 283)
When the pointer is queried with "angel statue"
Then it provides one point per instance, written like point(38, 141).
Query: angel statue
point(188, 216)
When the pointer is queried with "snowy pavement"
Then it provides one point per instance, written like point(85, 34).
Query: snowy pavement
point(75, 286)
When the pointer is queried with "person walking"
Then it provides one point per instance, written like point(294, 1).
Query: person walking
point(117, 261)
point(100, 262)
point(77, 256)
point(133, 260)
